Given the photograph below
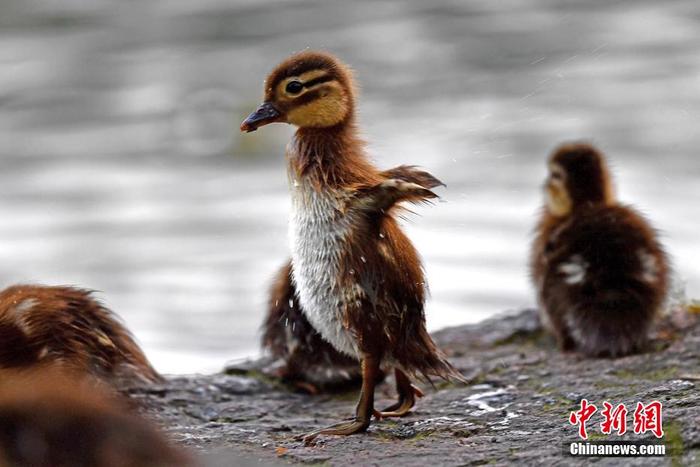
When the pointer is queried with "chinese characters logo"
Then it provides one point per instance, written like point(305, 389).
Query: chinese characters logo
point(646, 418)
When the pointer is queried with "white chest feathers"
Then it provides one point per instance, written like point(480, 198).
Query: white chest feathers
point(318, 233)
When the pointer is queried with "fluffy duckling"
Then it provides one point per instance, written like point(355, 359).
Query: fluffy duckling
point(48, 420)
point(307, 361)
point(601, 274)
point(358, 278)
point(65, 327)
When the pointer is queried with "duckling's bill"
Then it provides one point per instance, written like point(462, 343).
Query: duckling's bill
point(265, 114)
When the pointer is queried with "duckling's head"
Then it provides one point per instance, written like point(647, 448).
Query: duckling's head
point(578, 176)
point(309, 89)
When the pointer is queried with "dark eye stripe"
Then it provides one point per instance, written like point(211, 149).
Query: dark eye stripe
point(308, 97)
point(319, 80)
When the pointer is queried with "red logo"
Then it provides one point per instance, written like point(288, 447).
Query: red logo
point(614, 419)
point(647, 418)
point(580, 417)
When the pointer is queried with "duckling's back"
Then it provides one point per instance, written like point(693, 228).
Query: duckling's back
point(605, 280)
point(66, 327)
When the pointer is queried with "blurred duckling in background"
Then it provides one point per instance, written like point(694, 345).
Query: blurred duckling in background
point(301, 356)
point(49, 420)
point(64, 327)
point(601, 274)
point(358, 278)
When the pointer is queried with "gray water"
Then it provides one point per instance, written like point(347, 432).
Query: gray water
point(123, 170)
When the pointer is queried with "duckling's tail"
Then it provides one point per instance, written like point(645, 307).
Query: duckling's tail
point(419, 356)
point(436, 363)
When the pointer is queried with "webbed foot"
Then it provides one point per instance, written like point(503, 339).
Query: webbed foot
point(339, 429)
point(407, 397)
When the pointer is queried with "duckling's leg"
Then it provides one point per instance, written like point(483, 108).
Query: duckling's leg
point(365, 407)
point(407, 397)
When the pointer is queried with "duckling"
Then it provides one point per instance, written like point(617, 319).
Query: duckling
point(307, 361)
point(358, 278)
point(50, 419)
point(65, 327)
point(600, 272)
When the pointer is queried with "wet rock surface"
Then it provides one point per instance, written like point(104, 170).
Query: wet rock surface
point(515, 410)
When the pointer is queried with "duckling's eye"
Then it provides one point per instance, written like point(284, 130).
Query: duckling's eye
point(556, 174)
point(294, 87)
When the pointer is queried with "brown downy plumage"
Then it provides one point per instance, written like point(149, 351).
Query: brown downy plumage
point(302, 357)
point(64, 327)
point(359, 279)
point(48, 420)
point(601, 274)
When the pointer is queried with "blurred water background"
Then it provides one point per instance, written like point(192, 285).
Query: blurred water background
point(122, 168)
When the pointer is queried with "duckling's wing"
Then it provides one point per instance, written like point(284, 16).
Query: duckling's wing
point(410, 173)
point(387, 194)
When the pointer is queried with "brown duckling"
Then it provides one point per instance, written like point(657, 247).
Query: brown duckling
point(302, 357)
point(358, 278)
point(66, 327)
point(48, 420)
point(600, 272)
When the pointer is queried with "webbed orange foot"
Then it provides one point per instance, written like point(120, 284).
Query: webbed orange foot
point(340, 429)
point(407, 397)
point(307, 388)
point(365, 407)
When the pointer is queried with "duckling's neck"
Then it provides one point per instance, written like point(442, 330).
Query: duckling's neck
point(550, 221)
point(332, 157)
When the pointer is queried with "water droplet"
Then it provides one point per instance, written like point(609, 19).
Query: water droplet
point(291, 303)
point(364, 260)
